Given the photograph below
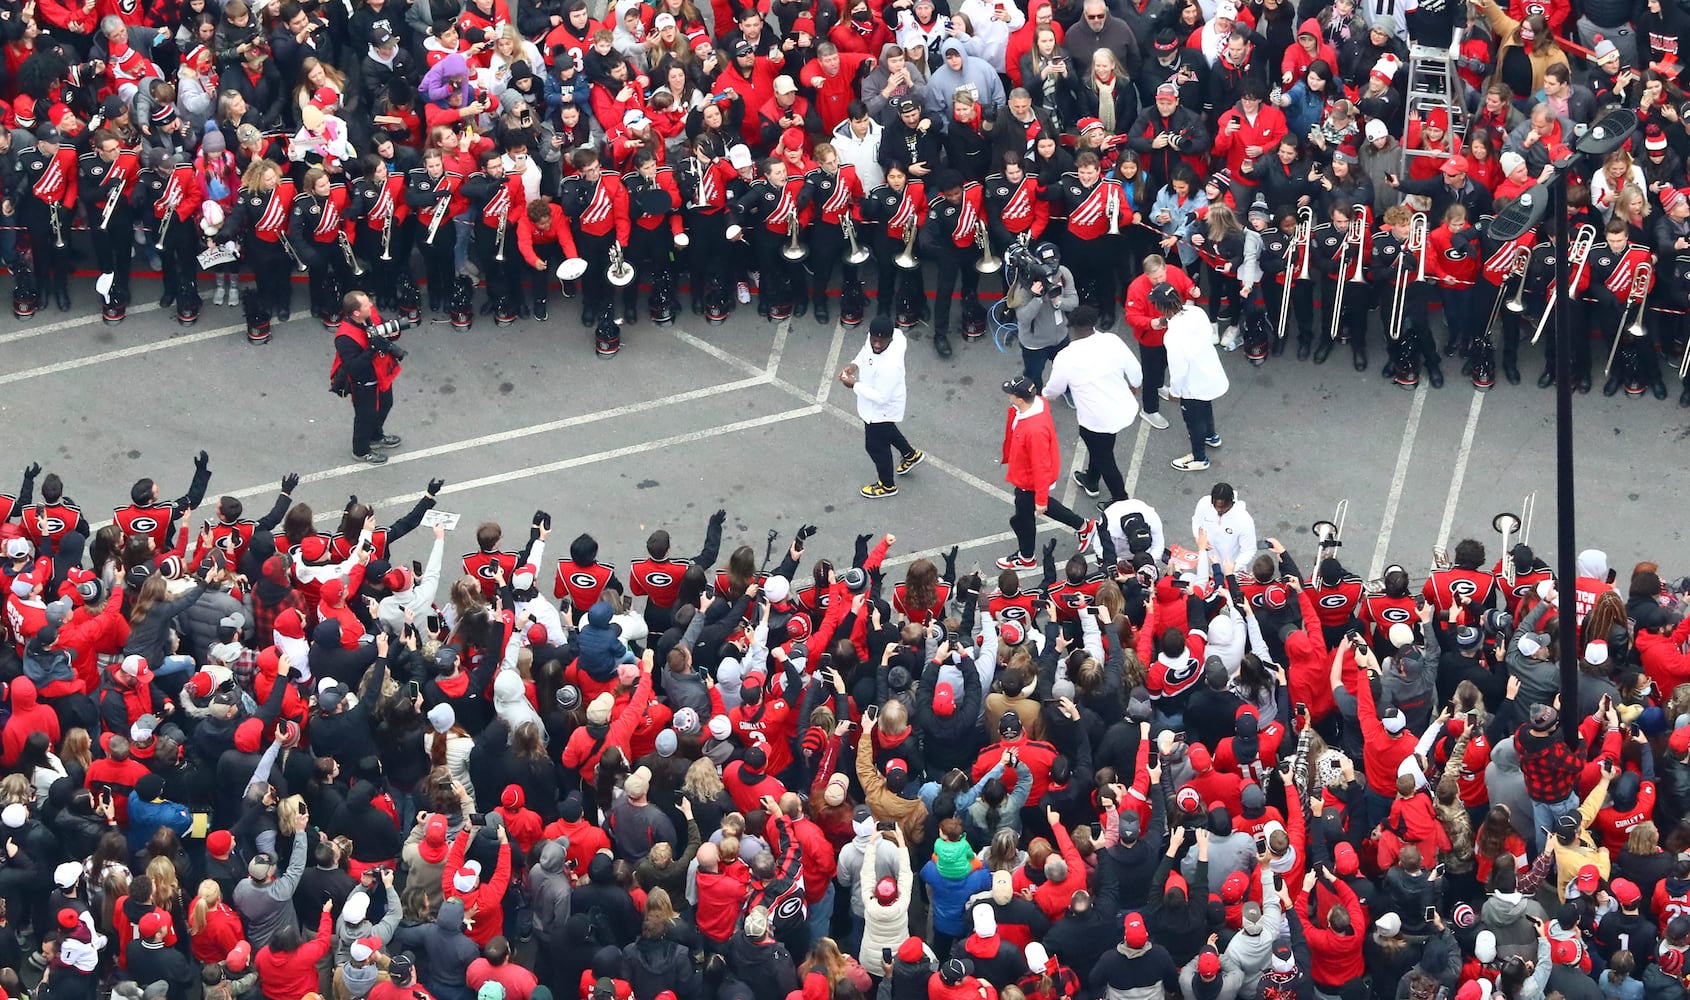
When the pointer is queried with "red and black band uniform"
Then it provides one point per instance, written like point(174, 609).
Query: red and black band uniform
point(893, 215)
point(46, 192)
point(598, 213)
point(949, 238)
point(264, 220)
point(315, 228)
point(426, 197)
point(1611, 277)
point(1332, 248)
point(155, 194)
point(1088, 248)
point(654, 206)
point(495, 204)
point(382, 222)
point(371, 374)
point(1393, 266)
point(704, 186)
point(102, 183)
point(766, 210)
point(1016, 211)
point(833, 196)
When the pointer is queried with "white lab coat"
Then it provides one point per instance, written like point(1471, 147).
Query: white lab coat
point(880, 381)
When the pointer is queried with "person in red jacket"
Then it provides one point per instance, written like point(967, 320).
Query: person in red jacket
point(1335, 946)
point(484, 902)
point(1149, 328)
point(1388, 739)
point(1034, 462)
point(719, 888)
point(28, 717)
point(522, 823)
point(287, 966)
point(585, 839)
point(955, 981)
point(833, 75)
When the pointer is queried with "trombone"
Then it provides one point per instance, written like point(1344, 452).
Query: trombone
point(1356, 237)
point(58, 227)
point(1507, 524)
point(1522, 263)
point(1641, 276)
point(855, 254)
point(987, 264)
point(1302, 237)
point(1415, 244)
point(1577, 253)
point(793, 251)
point(346, 251)
point(1329, 534)
point(439, 214)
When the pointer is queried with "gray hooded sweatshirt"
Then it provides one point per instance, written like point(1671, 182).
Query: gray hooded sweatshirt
point(1507, 786)
point(347, 933)
point(265, 905)
point(1038, 324)
point(548, 884)
point(1509, 918)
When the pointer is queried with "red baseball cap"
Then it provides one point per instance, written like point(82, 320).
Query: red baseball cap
point(1134, 931)
point(944, 700)
point(1208, 964)
point(1454, 165)
point(1345, 859)
point(1588, 879)
point(1626, 891)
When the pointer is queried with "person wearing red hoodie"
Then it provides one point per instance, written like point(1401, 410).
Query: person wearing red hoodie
point(1064, 875)
point(718, 893)
point(585, 839)
point(1309, 667)
point(1388, 741)
point(1248, 130)
point(1033, 463)
point(1662, 652)
point(1040, 14)
point(331, 603)
point(748, 782)
point(523, 824)
point(1335, 943)
point(28, 716)
point(1415, 819)
point(1311, 46)
point(88, 635)
point(287, 966)
point(1217, 787)
point(588, 743)
point(294, 708)
point(833, 75)
point(484, 902)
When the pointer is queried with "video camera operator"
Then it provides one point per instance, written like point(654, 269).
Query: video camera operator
point(1042, 292)
point(366, 364)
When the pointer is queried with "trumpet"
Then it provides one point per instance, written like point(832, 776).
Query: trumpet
point(439, 214)
point(987, 264)
point(1641, 276)
point(112, 199)
point(1302, 237)
point(58, 227)
point(793, 250)
point(1507, 525)
point(499, 237)
point(163, 224)
point(1577, 253)
point(1329, 534)
point(387, 236)
point(298, 264)
point(855, 254)
point(1415, 244)
point(1355, 237)
point(1113, 206)
point(907, 259)
point(620, 273)
point(351, 258)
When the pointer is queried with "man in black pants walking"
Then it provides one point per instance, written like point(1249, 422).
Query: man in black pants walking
point(876, 375)
point(365, 366)
point(1034, 463)
point(1101, 373)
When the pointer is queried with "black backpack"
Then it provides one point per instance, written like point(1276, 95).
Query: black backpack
point(1136, 531)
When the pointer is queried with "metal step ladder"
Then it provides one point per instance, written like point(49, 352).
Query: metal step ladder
point(1432, 84)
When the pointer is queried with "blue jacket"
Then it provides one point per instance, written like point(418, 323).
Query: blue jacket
point(599, 647)
point(146, 817)
point(950, 897)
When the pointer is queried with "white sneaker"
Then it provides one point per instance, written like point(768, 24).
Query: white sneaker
point(743, 293)
point(1230, 339)
point(217, 296)
point(1163, 392)
point(1156, 420)
point(1185, 463)
point(1214, 333)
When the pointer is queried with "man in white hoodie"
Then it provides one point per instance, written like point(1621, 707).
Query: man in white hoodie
point(876, 375)
point(1195, 376)
point(1220, 519)
point(857, 141)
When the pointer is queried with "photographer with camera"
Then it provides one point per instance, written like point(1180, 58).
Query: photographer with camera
point(366, 364)
point(1042, 292)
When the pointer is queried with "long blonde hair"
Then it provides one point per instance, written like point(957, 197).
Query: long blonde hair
point(205, 901)
point(702, 783)
point(167, 891)
point(77, 748)
point(291, 816)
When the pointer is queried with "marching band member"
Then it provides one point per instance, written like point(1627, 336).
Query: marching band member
point(1579, 214)
point(1613, 273)
point(1464, 581)
point(1454, 268)
point(950, 237)
point(1283, 254)
point(1337, 244)
point(835, 192)
point(169, 188)
point(704, 180)
point(1015, 210)
point(1395, 265)
point(597, 206)
point(432, 192)
point(654, 201)
point(108, 176)
point(378, 208)
point(1097, 209)
point(896, 208)
point(544, 240)
point(47, 189)
point(1498, 262)
point(315, 231)
point(1672, 263)
point(496, 198)
point(265, 208)
point(767, 211)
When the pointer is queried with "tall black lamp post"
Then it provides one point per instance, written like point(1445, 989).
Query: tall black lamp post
point(1602, 138)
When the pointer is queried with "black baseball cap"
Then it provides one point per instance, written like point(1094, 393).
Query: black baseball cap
point(1022, 386)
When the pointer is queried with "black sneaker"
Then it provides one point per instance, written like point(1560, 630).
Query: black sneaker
point(372, 458)
point(387, 442)
point(1080, 481)
point(540, 311)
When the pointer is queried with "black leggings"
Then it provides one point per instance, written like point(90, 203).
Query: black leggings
point(1025, 521)
point(880, 440)
point(1100, 463)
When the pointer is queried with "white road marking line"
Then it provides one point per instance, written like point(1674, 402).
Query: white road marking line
point(782, 330)
point(601, 456)
point(1071, 489)
point(127, 352)
point(831, 369)
point(716, 352)
point(1133, 467)
point(1461, 458)
point(1394, 498)
point(69, 324)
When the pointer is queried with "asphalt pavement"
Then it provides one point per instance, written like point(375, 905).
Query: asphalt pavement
point(746, 416)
